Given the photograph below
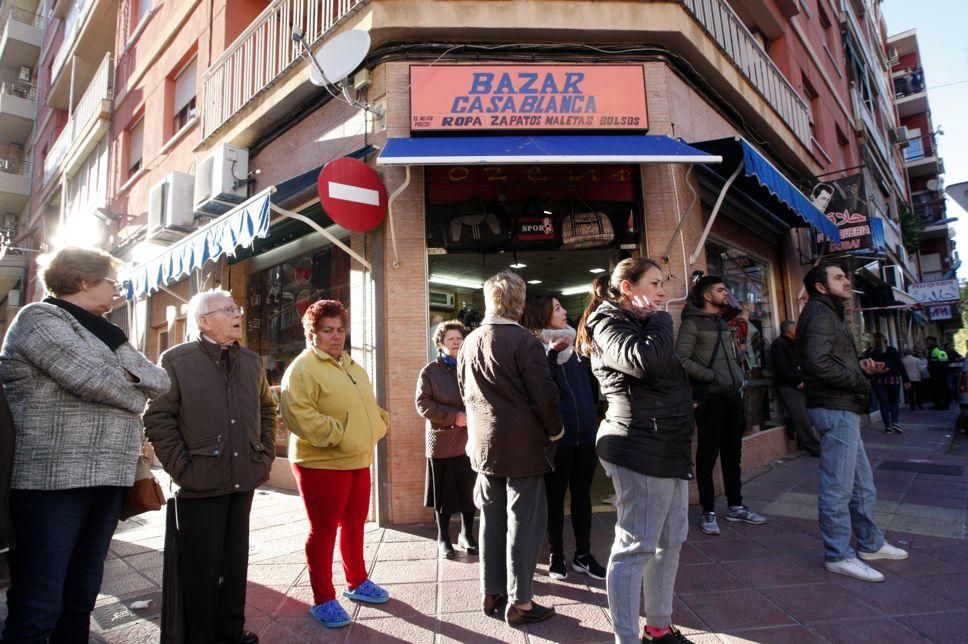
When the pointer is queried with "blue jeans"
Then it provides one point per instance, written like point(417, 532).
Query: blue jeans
point(847, 494)
point(56, 568)
point(889, 402)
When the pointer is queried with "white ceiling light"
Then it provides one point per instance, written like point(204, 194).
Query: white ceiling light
point(450, 280)
point(596, 270)
point(575, 290)
point(534, 281)
point(518, 265)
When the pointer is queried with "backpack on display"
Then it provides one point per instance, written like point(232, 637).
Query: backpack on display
point(476, 226)
point(586, 227)
point(534, 228)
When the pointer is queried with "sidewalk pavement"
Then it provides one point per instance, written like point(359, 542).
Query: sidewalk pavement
point(751, 584)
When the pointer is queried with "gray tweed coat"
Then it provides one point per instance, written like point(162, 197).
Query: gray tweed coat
point(77, 417)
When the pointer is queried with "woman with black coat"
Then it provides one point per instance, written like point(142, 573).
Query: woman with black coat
point(644, 443)
point(887, 384)
point(575, 458)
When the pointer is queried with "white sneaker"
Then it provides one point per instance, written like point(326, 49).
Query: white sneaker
point(854, 568)
point(887, 551)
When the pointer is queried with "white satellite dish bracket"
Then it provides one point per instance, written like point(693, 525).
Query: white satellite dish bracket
point(336, 60)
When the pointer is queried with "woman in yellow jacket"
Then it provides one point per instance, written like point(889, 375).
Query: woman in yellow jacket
point(335, 422)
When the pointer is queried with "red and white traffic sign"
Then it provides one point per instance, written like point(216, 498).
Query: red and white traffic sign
point(352, 194)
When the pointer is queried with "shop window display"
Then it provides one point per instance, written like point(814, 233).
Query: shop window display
point(754, 328)
point(278, 296)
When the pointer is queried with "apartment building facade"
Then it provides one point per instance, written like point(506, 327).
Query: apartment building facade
point(702, 133)
point(924, 168)
point(21, 31)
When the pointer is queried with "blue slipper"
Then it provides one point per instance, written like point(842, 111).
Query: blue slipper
point(330, 614)
point(368, 592)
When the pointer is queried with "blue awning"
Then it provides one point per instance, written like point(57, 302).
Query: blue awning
point(770, 180)
point(238, 227)
point(579, 148)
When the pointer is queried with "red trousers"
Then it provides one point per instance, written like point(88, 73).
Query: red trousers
point(334, 499)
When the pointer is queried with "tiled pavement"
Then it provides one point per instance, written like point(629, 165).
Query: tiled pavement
point(752, 584)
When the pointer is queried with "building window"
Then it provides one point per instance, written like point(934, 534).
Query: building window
point(814, 99)
point(136, 135)
point(144, 8)
point(184, 103)
point(825, 25)
point(754, 326)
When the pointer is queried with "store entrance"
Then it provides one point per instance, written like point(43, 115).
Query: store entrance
point(556, 226)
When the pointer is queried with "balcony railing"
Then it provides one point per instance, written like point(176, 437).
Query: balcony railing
point(909, 83)
point(89, 105)
point(930, 213)
point(723, 25)
point(12, 161)
point(263, 52)
point(920, 147)
point(18, 89)
point(26, 17)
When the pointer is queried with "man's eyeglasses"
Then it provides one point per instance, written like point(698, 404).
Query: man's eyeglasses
point(231, 310)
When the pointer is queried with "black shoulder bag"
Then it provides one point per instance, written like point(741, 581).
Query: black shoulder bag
point(700, 390)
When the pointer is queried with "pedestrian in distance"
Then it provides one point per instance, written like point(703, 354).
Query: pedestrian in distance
point(76, 389)
point(789, 386)
point(513, 421)
point(575, 458)
point(912, 367)
point(887, 385)
point(214, 432)
point(450, 479)
point(644, 443)
point(837, 384)
point(938, 370)
point(334, 423)
point(705, 346)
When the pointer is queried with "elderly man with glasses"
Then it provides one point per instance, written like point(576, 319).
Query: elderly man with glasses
point(213, 432)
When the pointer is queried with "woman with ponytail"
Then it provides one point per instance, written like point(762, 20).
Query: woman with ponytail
point(644, 443)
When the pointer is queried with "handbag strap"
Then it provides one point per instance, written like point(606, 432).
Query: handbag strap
point(719, 342)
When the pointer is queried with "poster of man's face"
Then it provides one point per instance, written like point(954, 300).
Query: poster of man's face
point(821, 195)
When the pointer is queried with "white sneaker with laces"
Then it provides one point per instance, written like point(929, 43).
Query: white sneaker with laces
point(887, 551)
point(855, 568)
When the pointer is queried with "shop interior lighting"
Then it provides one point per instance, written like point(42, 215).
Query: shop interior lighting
point(534, 281)
point(596, 270)
point(575, 290)
point(451, 280)
point(518, 265)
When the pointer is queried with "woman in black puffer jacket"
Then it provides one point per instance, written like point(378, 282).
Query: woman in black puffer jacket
point(644, 442)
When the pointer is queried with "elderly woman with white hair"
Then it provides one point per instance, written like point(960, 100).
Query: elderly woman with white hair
point(513, 420)
point(214, 433)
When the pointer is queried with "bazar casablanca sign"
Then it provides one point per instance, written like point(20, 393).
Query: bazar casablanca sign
point(527, 97)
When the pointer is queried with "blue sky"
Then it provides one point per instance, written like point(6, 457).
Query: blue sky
point(941, 27)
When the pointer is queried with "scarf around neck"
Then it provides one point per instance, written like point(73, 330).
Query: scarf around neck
point(448, 360)
point(108, 333)
point(549, 335)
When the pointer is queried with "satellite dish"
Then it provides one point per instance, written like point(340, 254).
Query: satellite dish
point(339, 57)
point(932, 184)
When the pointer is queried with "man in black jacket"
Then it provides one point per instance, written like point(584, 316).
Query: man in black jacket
point(838, 389)
point(789, 386)
point(705, 346)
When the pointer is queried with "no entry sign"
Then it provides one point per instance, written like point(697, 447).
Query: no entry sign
point(352, 194)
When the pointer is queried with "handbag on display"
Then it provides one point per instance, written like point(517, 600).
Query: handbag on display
point(534, 228)
point(476, 226)
point(586, 227)
point(146, 494)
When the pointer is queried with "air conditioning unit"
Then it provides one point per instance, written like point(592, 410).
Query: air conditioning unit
point(892, 56)
point(26, 74)
point(220, 180)
point(441, 300)
point(170, 213)
point(899, 136)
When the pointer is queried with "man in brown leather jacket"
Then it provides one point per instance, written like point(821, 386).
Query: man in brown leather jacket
point(214, 433)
